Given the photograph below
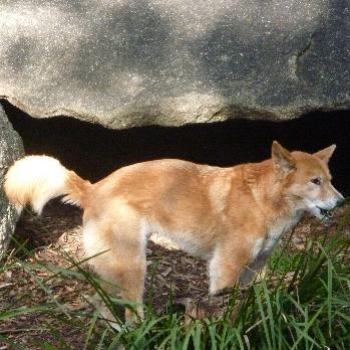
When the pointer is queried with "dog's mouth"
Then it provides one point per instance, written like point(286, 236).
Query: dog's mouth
point(325, 213)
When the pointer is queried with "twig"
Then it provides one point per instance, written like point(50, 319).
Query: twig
point(9, 330)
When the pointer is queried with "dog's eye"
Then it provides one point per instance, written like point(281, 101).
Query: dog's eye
point(316, 181)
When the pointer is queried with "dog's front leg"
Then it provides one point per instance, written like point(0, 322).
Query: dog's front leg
point(226, 264)
point(254, 268)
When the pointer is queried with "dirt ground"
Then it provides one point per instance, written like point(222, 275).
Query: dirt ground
point(56, 235)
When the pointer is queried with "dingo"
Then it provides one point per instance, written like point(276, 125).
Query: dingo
point(232, 217)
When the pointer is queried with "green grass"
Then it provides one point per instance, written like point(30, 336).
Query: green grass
point(303, 303)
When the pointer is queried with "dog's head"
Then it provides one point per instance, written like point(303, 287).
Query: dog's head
point(306, 180)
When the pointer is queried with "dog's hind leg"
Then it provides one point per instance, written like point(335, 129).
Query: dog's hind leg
point(119, 241)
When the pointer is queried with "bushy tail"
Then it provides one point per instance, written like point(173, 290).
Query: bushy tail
point(35, 180)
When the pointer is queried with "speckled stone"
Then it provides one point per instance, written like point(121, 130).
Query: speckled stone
point(128, 63)
point(11, 148)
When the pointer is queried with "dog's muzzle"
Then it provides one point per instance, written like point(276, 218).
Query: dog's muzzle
point(325, 213)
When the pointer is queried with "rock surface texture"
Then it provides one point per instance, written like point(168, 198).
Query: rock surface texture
point(129, 63)
point(11, 148)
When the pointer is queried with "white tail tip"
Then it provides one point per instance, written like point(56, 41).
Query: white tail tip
point(35, 180)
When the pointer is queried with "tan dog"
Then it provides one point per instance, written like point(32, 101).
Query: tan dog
point(231, 217)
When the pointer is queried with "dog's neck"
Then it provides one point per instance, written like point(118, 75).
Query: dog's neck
point(266, 188)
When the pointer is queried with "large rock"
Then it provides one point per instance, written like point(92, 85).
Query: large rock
point(125, 63)
point(11, 148)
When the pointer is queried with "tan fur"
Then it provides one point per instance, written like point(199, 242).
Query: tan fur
point(231, 217)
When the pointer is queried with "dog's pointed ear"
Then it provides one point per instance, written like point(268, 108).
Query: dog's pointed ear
point(326, 153)
point(282, 158)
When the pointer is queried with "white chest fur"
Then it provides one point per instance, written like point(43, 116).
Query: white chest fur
point(264, 246)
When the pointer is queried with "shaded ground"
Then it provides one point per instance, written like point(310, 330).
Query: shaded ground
point(57, 234)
